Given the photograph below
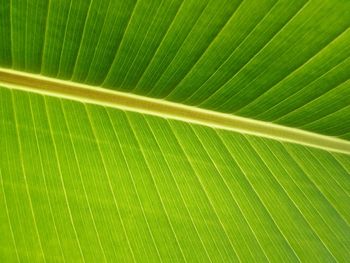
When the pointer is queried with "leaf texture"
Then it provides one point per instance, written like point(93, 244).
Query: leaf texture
point(278, 61)
point(82, 182)
point(88, 183)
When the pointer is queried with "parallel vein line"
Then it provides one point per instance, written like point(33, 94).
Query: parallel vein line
point(289, 197)
point(229, 189)
point(188, 34)
point(330, 174)
point(63, 184)
point(310, 124)
point(44, 178)
point(340, 162)
point(250, 185)
point(178, 189)
point(45, 35)
point(155, 185)
point(256, 54)
point(25, 176)
point(11, 33)
point(82, 182)
point(106, 172)
point(98, 41)
point(303, 89)
point(64, 38)
point(160, 44)
point(8, 217)
point(204, 190)
point(314, 183)
point(120, 44)
point(135, 189)
point(301, 190)
point(212, 42)
point(299, 68)
point(229, 56)
point(261, 201)
point(133, 59)
point(82, 37)
point(313, 56)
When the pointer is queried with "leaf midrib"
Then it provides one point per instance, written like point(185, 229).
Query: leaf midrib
point(165, 109)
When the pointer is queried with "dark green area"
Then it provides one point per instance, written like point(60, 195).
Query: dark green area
point(278, 61)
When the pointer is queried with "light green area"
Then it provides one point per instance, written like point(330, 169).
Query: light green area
point(82, 182)
point(279, 61)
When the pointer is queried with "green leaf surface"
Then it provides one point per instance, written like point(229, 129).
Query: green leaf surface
point(82, 182)
point(263, 59)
